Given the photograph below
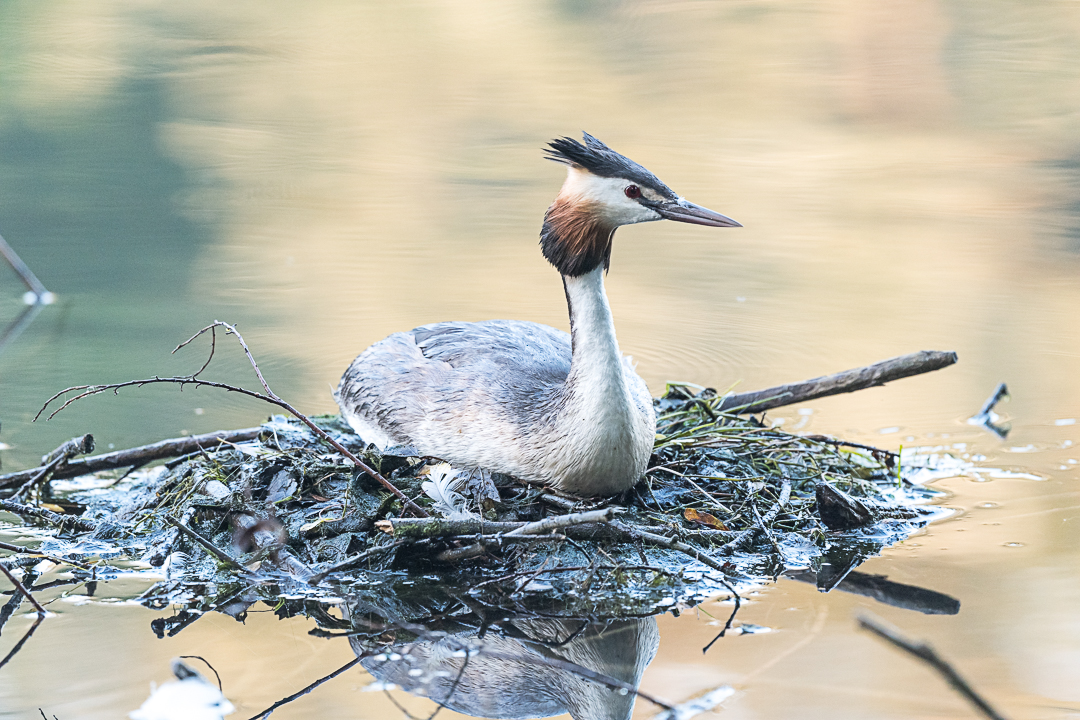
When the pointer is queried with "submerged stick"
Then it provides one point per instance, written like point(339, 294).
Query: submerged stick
point(929, 656)
point(843, 382)
point(137, 456)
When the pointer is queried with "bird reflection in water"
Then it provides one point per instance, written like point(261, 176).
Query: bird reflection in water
point(527, 670)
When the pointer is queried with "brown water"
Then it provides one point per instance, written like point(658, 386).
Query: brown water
point(328, 173)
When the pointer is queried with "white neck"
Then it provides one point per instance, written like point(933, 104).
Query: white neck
point(597, 362)
point(603, 411)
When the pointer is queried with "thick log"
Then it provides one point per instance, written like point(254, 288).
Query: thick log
point(136, 456)
point(843, 382)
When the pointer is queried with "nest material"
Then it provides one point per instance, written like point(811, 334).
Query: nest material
point(725, 500)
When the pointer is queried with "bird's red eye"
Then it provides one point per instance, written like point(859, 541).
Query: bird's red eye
point(633, 192)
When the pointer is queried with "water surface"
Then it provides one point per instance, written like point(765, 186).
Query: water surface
point(323, 176)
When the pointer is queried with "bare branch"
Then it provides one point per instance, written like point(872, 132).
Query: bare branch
point(21, 588)
point(842, 382)
point(137, 456)
point(213, 346)
point(64, 522)
point(21, 268)
point(56, 459)
point(269, 397)
point(36, 553)
point(561, 521)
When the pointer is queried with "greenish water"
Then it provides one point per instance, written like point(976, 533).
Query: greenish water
point(324, 175)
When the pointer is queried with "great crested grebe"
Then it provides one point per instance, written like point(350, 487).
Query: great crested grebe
point(520, 398)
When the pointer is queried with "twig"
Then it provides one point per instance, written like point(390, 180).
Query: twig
point(158, 558)
point(843, 382)
point(654, 539)
point(928, 655)
point(352, 561)
point(579, 568)
point(442, 527)
point(847, 443)
point(16, 598)
point(207, 663)
point(207, 545)
point(458, 554)
point(32, 283)
point(727, 625)
point(526, 530)
point(138, 455)
point(41, 475)
point(57, 458)
point(561, 521)
point(268, 396)
point(80, 445)
point(306, 690)
point(1000, 392)
point(559, 501)
point(743, 537)
point(986, 416)
point(66, 522)
point(27, 551)
point(21, 588)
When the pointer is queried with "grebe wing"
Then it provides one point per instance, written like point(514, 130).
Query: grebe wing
point(501, 370)
point(500, 345)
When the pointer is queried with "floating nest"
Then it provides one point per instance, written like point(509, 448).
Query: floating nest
point(284, 518)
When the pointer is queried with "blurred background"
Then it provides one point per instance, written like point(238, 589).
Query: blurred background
point(324, 174)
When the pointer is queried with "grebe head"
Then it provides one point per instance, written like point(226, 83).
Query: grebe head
point(604, 190)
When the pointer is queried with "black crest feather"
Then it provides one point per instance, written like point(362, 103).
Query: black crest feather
point(597, 158)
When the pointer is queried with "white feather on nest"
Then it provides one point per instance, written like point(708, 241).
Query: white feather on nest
point(442, 486)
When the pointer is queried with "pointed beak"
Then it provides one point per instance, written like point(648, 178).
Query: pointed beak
point(684, 211)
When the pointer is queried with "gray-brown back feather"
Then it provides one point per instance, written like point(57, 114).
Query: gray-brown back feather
point(452, 369)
